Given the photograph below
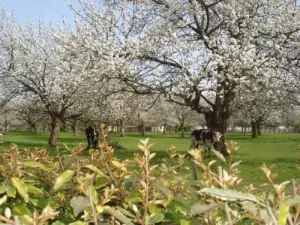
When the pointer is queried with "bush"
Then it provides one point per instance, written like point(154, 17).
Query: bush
point(96, 188)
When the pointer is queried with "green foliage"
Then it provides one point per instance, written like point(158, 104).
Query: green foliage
point(39, 188)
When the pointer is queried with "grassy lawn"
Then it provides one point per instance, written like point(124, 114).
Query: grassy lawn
point(279, 149)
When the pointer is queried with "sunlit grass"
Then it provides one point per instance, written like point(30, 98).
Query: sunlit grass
point(279, 149)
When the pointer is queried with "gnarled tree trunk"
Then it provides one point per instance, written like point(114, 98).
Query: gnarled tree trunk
point(74, 127)
point(54, 130)
point(254, 129)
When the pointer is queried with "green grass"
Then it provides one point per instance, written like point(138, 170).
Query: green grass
point(279, 149)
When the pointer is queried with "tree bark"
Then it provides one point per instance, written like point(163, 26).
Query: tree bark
point(75, 127)
point(258, 127)
point(164, 129)
point(63, 127)
point(217, 118)
point(142, 129)
point(182, 128)
point(254, 129)
point(122, 128)
point(54, 130)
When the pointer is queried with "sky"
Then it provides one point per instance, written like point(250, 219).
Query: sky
point(47, 10)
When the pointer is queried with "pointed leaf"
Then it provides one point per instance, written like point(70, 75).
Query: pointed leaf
point(20, 210)
point(96, 170)
point(63, 179)
point(228, 194)
point(293, 201)
point(283, 213)
point(3, 189)
point(21, 188)
point(34, 190)
point(11, 191)
point(79, 223)
point(121, 217)
point(219, 155)
point(94, 195)
point(34, 164)
point(156, 218)
point(101, 182)
point(119, 165)
point(39, 202)
point(202, 208)
point(3, 199)
point(235, 164)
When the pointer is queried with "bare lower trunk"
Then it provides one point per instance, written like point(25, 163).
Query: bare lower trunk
point(55, 127)
point(142, 129)
point(122, 128)
point(254, 130)
point(164, 129)
point(75, 127)
point(258, 129)
point(182, 129)
point(217, 122)
point(63, 126)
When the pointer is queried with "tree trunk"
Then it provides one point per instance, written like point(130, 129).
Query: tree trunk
point(254, 129)
point(164, 129)
point(6, 126)
point(34, 126)
point(55, 128)
point(63, 127)
point(217, 119)
point(75, 127)
point(122, 128)
point(142, 129)
point(258, 127)
point(182, 128)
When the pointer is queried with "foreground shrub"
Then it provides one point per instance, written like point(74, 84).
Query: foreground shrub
point(96, 188)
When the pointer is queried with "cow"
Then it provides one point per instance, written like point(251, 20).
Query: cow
point(92, 137)
point(207, 138)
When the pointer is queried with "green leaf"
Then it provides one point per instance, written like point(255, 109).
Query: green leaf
point(3, 189)
point(96, 170)
point(3, 199)
point(185, 222)
point(283, 213)
point(118, 215)
point(293, 201)
point(173, 216)
point(79, 223)
point(20, 210)
point(154, 208)
point(79, 204)
point(229, 195)
point(202, 208)
point(34, 164)
point(94, 195)
point(101, 182)
point(62, 179)
point(21, 188)
point(285, 207)
point(156, 218)
point(58, 223)
point(133, 197)
point(11, 192)
point(39, 202)
point(34, 190)
point(129, 183)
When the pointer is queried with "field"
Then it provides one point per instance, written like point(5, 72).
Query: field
point(279, 149)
